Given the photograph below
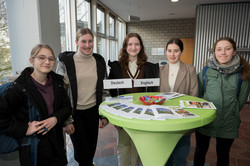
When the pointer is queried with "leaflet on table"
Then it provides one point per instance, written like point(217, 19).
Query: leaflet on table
point(172, 112)
point(171, 95)
point(154, 112)
point(183, 113)
point(121, 109)
point(119, 99)
point(197, 104)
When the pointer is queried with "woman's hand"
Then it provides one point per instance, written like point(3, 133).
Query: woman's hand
point(46, 125)
point(103, 122)
point(69, 128)
point(33, 127)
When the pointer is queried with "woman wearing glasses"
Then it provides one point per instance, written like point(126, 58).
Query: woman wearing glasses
point(44, 90)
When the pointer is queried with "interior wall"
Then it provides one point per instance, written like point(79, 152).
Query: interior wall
point(156, 33)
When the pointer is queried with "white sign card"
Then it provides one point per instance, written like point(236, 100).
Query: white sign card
point(117, 83)
point(147, 82)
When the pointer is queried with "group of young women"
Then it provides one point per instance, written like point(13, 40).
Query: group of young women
point(69, 98)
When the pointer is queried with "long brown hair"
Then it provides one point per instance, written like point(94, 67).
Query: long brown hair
point(124, 57)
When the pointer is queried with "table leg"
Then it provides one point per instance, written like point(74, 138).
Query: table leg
point(154, 148)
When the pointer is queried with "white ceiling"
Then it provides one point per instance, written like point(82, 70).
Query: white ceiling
point(158, 9)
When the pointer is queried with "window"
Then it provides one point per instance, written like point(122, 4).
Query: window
point(109, 32)
point(121, 33)
point(83, 14)
point(101, 47)
point(112, 51)
point(62, 11)
point(111, 26)
point(5, 56)
point(100, 21)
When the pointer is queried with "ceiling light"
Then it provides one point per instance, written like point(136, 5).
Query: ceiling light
point(174, 0)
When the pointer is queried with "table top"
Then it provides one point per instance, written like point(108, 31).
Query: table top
point(205, 116)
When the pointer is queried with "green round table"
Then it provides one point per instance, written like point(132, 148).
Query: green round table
point(156, 139)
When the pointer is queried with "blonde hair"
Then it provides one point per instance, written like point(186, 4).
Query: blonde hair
point(38, 47)
point(83, 31)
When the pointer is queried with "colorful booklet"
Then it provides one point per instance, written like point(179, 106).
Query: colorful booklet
point(173, 112)
point(152, 112)
point(164, 112)
point(171, 95)
point(197, 104)
point(183, 113)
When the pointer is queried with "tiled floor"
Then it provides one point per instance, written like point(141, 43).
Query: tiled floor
point(240, 153)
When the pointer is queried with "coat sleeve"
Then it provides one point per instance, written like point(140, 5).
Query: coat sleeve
point(61, 70)
point(13, 117)
point(63, 106)
point(200, 85)
point(113, 92)
point(244, 92)
point(194, 83)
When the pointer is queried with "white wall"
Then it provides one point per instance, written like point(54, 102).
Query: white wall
point(31, 22)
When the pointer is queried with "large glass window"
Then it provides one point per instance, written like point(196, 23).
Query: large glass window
point(100, 21)
point(111, 26)
point(83, 14)
point(121, 34)
point(62, 11)
point(112, 50)
point(101, 47)
point(5, 56)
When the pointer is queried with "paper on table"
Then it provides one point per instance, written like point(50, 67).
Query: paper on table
point(170, 95)
point(183, 113)
point(119, 99)
point(197, 104)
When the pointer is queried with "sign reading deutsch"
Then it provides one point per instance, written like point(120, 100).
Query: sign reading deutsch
point(117, 83)
point(147, 82)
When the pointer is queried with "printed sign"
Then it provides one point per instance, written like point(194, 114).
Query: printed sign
point(117, 83)
point(146, 82)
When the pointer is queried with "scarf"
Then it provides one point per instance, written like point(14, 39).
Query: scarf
point(233, 67)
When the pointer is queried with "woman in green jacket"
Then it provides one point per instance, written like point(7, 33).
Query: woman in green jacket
point(221, 88)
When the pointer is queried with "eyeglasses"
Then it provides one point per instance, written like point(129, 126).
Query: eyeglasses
point(43, 58)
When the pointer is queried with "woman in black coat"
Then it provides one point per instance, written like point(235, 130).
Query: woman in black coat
point(44, 90)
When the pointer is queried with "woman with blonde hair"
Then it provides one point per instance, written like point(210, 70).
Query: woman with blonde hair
point(84, 72)
point(43, 89)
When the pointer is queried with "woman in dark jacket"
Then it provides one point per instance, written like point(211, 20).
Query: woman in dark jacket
point(84, 72)
point(44, 90)
point(132, 64)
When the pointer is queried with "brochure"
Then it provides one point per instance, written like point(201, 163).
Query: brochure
point(164, 112)
point(183, 113)
point(152, 112)
point(147, 114)
point(197, 104)
point(171, 95)
point(119, 99)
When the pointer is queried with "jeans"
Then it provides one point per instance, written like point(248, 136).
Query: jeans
point(180, 153)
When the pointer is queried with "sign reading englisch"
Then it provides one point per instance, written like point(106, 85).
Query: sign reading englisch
point(147, 82)
point(117, 83)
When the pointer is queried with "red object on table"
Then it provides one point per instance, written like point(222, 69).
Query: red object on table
point(150, 100)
